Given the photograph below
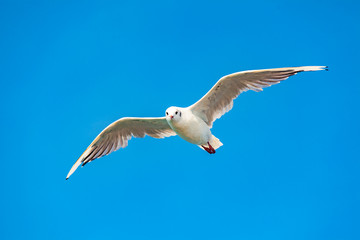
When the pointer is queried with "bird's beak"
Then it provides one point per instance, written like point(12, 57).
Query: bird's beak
point(171, 116)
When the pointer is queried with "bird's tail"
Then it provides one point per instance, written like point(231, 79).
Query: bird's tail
point(214, 142)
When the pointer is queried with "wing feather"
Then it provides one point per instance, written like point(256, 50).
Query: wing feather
point(117, 134)
point(219, 99)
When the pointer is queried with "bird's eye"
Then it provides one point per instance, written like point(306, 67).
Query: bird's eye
point(176, 112)
point(167, 113)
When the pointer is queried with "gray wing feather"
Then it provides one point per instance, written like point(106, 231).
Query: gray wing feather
point(117, 134)
point(219, 99)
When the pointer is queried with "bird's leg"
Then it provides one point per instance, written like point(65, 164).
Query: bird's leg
point(209, 149)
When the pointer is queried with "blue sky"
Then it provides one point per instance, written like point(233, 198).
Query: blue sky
point(289, 167)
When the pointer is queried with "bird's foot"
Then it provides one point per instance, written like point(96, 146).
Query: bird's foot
point(209, 149)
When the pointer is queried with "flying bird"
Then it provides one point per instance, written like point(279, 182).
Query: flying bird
point(192, 123)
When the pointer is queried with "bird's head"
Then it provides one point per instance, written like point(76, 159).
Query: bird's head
point(173, 114)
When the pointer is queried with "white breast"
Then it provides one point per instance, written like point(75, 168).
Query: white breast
point(191, 128)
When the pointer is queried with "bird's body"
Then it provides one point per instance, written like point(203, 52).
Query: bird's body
point(193, 123)
point(191, 128)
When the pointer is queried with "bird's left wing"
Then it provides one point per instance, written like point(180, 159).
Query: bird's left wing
point(117, 134)
point(219, 99)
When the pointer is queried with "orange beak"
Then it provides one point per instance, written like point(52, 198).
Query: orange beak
point(171, 116)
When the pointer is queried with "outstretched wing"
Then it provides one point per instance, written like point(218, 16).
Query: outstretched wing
point(117, 134)
point(219, 99)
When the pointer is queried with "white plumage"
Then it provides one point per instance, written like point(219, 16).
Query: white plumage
point(193, 123)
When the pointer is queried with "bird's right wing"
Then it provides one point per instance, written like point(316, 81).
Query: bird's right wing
point(117, 134)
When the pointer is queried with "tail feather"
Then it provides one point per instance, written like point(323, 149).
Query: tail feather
point(214, 142)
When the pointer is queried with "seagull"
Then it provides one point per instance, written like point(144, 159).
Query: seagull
point(192, 123)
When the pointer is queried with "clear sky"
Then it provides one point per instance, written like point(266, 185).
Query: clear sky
point(289, 167)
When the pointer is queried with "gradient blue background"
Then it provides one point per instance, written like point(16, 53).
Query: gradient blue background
point(289, 167)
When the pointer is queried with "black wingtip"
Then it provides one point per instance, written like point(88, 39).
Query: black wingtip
point(326, 68)
point(66, 178)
